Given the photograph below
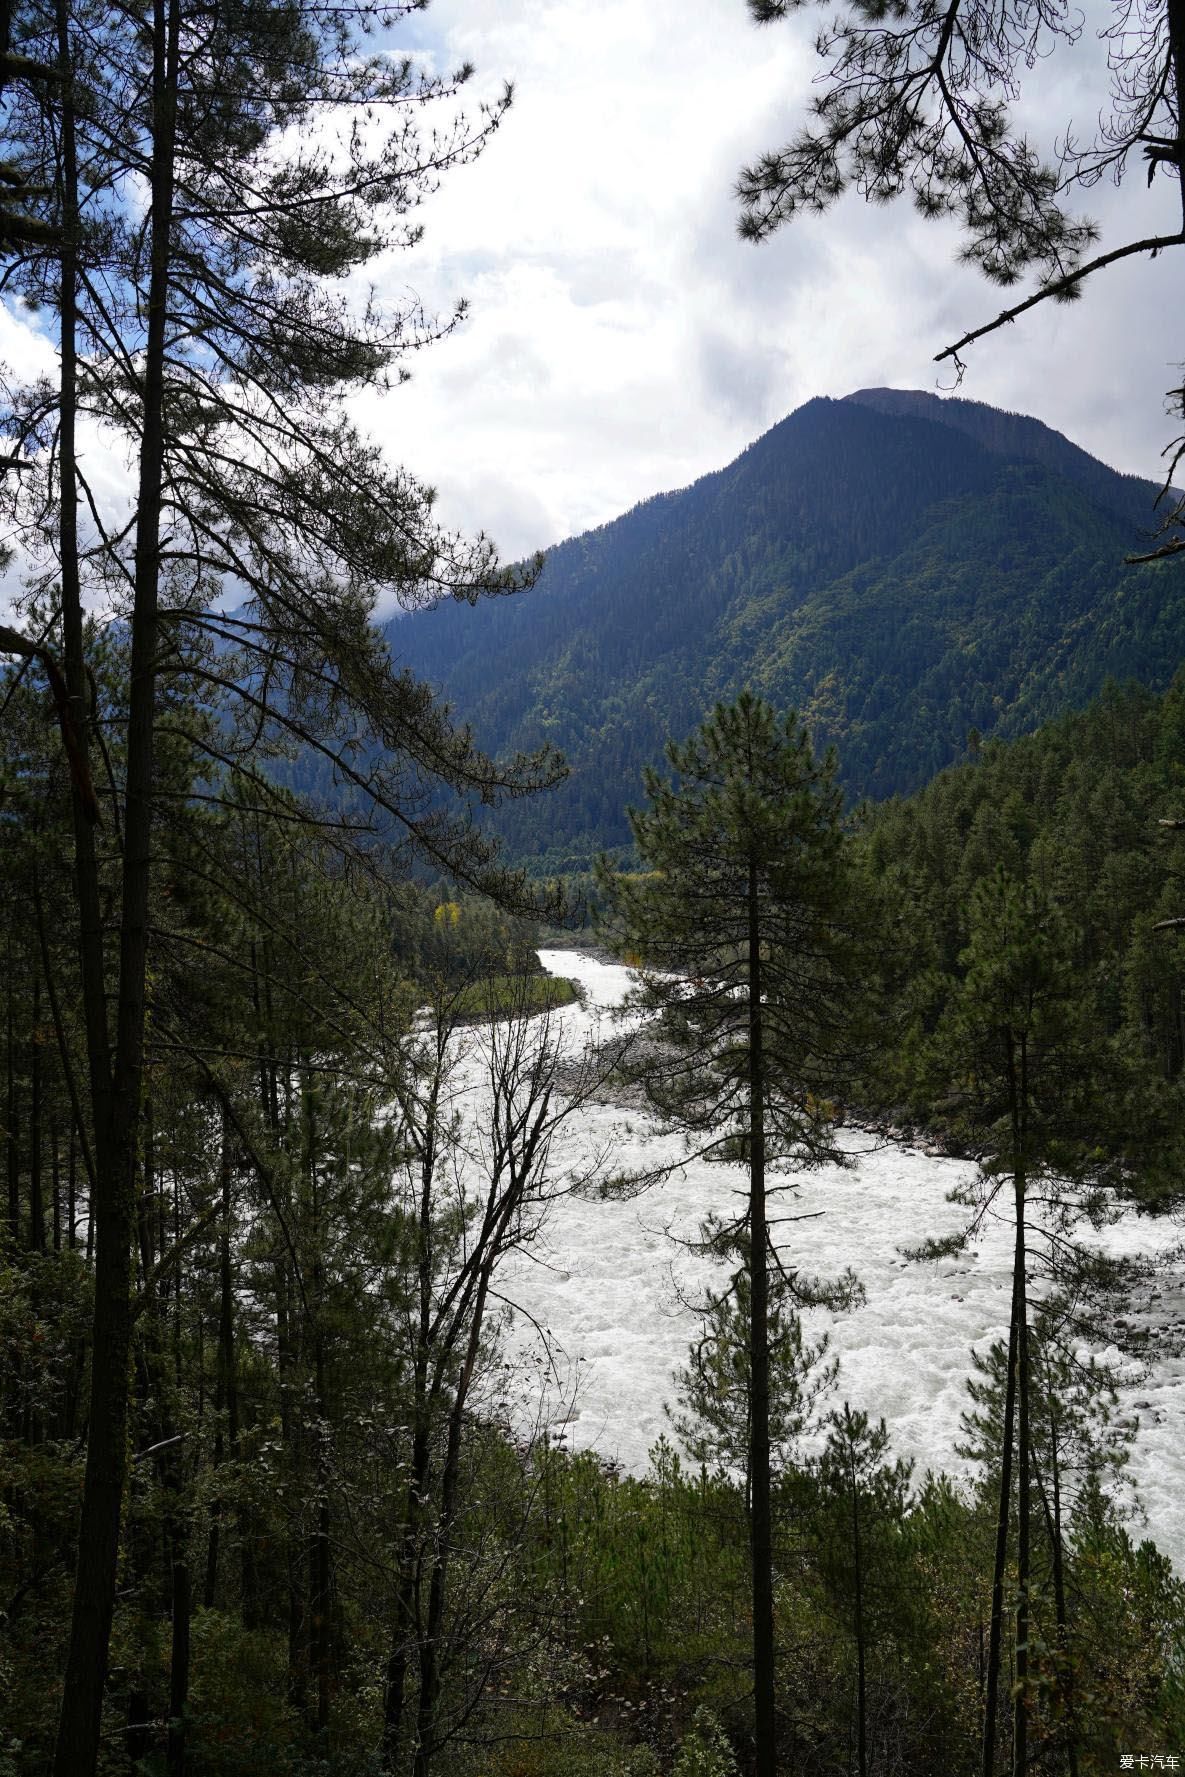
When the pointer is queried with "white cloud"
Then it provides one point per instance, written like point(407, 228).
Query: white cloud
point(622, 340)
point(24, 347)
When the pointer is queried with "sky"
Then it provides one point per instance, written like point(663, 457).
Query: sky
point(623, 341)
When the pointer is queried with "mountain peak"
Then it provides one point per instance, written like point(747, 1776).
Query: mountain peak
point(898, 567)
point(1019, 436)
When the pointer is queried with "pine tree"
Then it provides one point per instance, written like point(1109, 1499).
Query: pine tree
point(716, 1391)
point(1080, 1448)
point(1018, 1039)
point(862, 1503)
point(748, 941)
point(212, 336)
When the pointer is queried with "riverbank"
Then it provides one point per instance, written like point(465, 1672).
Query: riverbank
point(515, 996)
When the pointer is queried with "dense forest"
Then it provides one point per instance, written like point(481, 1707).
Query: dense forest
point(1086, 811)
point(286, 1093)
point(303, 1465)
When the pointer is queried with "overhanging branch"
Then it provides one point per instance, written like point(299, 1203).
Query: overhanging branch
point(1061, 287)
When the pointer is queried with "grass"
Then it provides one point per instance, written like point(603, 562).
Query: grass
point(506, 996)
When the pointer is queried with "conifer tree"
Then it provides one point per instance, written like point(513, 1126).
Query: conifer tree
point(1079, 1449)
point(747, 938)
point(1016, 1035)
point(716, 1391)
point(210, 331)
point(863, 1500)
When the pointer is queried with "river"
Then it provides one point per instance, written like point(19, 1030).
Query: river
point(613, 1287)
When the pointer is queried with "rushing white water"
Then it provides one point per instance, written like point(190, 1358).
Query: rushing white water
point(614, 1289)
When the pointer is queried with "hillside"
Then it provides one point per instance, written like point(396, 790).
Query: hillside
point(900, 568)
point(1023, 439)
point(1076, 810)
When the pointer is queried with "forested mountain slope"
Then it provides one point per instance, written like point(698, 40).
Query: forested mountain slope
point(1077, 811)
point(1022, 438)
point(899, 576)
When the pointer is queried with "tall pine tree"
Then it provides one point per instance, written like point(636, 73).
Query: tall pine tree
point(747, 934)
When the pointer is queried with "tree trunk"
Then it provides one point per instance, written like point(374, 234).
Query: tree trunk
point(1023, 1558)
point(177, 1515)
point(179, 1654)
point(760, 1516)
point(1020, 1744)
point(174, 1514)
point(1176, 31)
point(320, 1562)
point(857, 1561)
point(86, 870)
point(319, 1574)
point(431, 1641)
point(36, 1194)
point(1003, 1512)
point(1053, 1524)
point(177, 1532)
point(68, 1073)
point(55, 1181)
point(77, 1747)
point(12, 1146)
point(406, 1589)
point(290, 1435)
point(226, 1393)
point(321, 1608)
point(405, 1578)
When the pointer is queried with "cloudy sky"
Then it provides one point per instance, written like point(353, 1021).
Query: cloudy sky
point(622, 340)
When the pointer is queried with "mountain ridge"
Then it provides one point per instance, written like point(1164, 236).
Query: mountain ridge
point(1009, 433)
point(898, 566)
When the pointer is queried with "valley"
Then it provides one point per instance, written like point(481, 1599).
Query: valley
point(592, 1139)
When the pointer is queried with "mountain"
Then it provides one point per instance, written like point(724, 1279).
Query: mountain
point(900, 568)
point(1025, 440)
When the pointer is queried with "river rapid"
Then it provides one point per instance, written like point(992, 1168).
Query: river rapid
point(614, 1290)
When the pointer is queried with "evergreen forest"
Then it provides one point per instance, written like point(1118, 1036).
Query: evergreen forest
point(864, 756)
